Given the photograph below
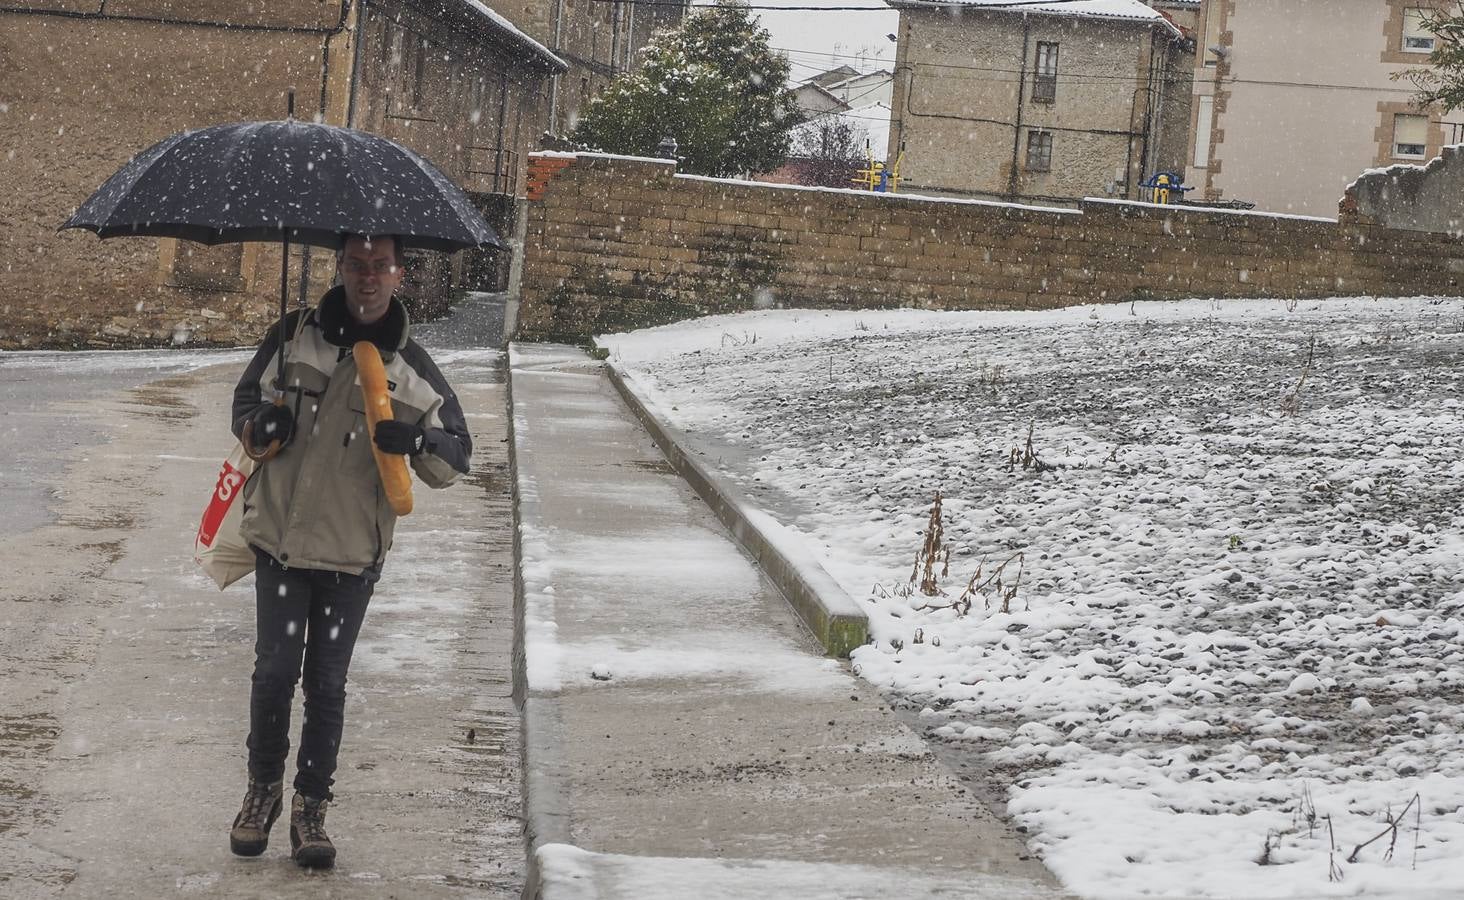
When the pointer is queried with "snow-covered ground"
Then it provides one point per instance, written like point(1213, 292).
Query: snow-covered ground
point(1235, 645)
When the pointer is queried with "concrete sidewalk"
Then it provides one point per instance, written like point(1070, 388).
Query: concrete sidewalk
point(685, 736)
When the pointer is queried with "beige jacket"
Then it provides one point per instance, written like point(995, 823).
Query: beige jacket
point(319, 504)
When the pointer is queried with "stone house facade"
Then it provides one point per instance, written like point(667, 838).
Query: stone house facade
point(86, 84)
point(1040, 102)
point(1294, 98)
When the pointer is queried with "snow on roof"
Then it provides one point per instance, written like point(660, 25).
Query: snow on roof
point(516, 35)
point(820, 89)
point(877, 73)
point(1121, 10)
point(831, 76)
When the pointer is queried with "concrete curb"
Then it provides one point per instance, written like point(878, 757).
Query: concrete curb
point(826, 608)
point(545, 815)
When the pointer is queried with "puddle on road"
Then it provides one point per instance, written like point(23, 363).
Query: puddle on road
point(163, 399)
point(22, 739)
point(100, 520)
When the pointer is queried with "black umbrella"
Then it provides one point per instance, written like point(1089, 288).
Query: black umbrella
point(290, 181)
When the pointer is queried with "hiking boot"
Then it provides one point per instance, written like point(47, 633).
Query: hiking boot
point(262, 804)
point(309, 844)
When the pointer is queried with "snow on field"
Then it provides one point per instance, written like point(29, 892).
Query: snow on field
point(1235, 638)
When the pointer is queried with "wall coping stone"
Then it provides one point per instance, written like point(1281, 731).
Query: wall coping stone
point(1205, 210)
point(884, 197)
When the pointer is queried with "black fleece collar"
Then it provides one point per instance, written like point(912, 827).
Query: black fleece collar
point(389, 333)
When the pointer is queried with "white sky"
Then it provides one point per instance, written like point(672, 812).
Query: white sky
point(813, 36)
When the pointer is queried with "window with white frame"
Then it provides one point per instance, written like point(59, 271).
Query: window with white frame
point(1039, 151)
point(1203, 122)
point(1044, 79)
point(1212, 34)
point(1416, 36)
point(1410, 136)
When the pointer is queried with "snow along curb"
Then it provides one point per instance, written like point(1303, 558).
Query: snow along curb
point(826, 608)
point(546, 816)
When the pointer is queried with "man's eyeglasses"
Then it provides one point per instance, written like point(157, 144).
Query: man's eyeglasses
point(361, 267)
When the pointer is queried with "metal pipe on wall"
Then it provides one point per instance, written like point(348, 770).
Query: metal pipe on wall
point(1021, 90)
point(554, 79)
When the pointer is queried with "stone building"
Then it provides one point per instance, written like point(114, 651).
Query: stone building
point(1294, 98)
point(86, 84)
point(1047, 102)
point(599, 39)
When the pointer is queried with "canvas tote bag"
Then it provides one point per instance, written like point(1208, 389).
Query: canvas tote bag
point(219, 547)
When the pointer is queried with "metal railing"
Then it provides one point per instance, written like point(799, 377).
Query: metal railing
point(1044, 88)
point(493, 169)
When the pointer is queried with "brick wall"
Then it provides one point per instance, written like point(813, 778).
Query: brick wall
point(616, 243)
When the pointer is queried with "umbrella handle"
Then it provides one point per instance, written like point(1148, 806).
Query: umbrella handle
point(258, 454)
point(261, 454)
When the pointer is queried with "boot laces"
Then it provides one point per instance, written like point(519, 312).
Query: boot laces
point(257, 802)
point(312, 820)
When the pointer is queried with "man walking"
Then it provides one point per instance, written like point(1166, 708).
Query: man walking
point(320, 524)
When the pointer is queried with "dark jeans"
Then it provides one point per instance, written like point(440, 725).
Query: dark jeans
point(309, 616)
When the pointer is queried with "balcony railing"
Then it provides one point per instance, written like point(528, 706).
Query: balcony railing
point(1044, 88)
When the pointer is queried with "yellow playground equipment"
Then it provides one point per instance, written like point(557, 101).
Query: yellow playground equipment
point(878, 177)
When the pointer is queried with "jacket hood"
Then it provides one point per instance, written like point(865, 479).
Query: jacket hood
point(389, 333)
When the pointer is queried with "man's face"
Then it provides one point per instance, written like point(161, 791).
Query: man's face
point(370, 275)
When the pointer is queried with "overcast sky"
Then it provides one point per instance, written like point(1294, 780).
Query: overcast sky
point(813, 36)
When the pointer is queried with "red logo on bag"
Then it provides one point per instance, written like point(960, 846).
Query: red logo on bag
point(230, 480)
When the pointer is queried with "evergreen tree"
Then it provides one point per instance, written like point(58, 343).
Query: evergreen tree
point(714, 85)
point(1442, 81)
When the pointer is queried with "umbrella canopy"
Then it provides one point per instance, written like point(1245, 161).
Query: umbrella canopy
point(291, 180)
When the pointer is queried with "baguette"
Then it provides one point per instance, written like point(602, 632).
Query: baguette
point(393, 467)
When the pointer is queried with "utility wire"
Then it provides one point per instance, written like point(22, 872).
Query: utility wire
point(1011, 4)
point(1079, 77)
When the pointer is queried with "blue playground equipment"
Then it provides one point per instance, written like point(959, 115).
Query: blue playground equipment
point(1165, 187)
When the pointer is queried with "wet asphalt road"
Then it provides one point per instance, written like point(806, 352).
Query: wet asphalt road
point(45, 416)
point(124, 673)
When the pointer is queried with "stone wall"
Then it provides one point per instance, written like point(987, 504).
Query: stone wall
point(1416, 198)
point(617, 243)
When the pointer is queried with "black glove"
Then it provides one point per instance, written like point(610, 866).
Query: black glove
point(272, 423)
point(393, 436)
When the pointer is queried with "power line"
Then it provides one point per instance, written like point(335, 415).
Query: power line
point(1077, 76)
point(678, 4)
point(1011, 4)
point(1080, 77)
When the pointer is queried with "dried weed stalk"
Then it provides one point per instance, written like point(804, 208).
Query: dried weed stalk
point(1391, 831)
point(1272, 843)
point(998, 583)
point(1291, 403)
point(1026, 456)
point(746, 338)
point(1334, 871)
point(1306, 811)
point(931, 553)
point(992, 378)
